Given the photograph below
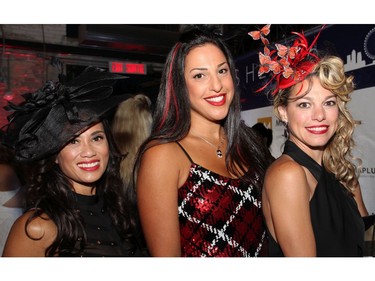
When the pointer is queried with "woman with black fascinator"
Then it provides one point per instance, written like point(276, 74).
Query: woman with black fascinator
point(75, 202)
point(200, 172)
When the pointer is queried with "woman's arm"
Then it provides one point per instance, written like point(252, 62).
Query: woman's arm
point(41, 234)
point(359, 199)
point(157, 186)
point(287, 195)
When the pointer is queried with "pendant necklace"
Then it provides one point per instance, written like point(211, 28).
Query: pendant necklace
point(219, 153)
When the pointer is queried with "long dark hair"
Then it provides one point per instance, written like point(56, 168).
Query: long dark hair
point(245, 155)
point(50, 192)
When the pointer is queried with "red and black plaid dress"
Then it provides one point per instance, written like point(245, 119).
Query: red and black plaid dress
point(219, 216)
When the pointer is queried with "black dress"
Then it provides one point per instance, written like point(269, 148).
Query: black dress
point(102, 240)
point(338, 226)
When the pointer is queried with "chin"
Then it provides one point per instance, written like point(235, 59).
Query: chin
point(318, 144)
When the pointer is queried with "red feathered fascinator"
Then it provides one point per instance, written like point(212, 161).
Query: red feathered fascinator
point(288, 65)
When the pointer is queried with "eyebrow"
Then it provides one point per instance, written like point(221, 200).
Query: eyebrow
point(204, 68)
point(331, 96)
point(310, 98)
point(92, 134)
point(97, 132)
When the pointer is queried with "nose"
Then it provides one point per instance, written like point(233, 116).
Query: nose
point(216, 84)
point(87, 150)
point(318, 113)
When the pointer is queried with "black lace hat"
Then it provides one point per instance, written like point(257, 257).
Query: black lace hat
point(56, 113)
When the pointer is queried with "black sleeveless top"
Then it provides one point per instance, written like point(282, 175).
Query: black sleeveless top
point(338, 226)
point(102, 240)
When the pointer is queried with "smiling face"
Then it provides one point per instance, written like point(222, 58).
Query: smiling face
point(312, 119)
point(84, 159)
point(209, 82)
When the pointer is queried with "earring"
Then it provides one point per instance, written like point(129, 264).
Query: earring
point(286, 129)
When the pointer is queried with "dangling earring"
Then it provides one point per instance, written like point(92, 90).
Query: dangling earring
point(286, 129)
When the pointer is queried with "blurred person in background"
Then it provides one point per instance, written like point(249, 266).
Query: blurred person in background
point(264, 133)
point(11, 192)
point(131, 126)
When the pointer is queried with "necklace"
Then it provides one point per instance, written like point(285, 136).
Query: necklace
point(219, 153)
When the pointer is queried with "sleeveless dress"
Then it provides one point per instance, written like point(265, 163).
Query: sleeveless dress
point(219, 216)
point(337, 224)
point(102, 238)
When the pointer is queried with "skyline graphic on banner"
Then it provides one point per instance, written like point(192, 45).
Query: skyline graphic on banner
point(354, 61)
point(358, 54)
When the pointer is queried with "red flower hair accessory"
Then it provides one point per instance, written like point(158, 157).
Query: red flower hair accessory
point(289, 64)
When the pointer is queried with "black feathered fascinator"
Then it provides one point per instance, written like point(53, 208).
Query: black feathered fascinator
point(49, 118)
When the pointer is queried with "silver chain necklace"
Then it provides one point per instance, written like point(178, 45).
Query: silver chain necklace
point(219, 153)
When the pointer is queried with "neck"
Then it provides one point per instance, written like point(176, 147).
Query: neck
point(211, 133)
point(220, 142)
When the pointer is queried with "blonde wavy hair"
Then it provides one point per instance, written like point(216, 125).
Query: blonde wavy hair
point(131, 125)
point(337, 156)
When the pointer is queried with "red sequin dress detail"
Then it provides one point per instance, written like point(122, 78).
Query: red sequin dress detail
point(219, 216)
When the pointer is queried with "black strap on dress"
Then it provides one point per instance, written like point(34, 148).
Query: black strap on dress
point(187, 154)
point(303, 159)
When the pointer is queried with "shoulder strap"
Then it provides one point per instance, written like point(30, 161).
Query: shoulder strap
point(303, 159)
point(187, 154)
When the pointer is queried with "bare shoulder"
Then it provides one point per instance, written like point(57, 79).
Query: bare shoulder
point(166, 153)
point(163, 164)
point(41, 227)
point(286, 166)
point(284, 171)
point(30, 239)
point(162, 149)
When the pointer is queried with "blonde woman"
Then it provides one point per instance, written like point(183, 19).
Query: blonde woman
point(312, 201)
point(131, 126)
